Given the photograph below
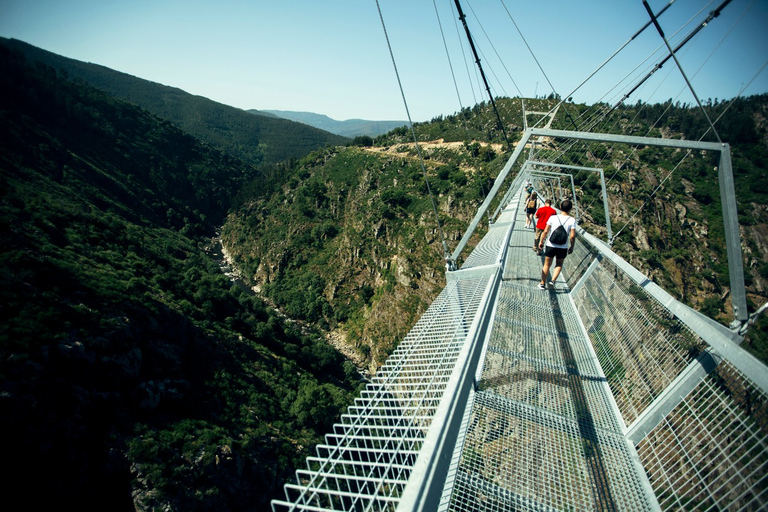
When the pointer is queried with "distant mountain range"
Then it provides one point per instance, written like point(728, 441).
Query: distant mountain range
point(350, 128)
point(253, 139)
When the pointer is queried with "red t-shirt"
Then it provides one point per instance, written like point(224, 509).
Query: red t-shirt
point(542, 215)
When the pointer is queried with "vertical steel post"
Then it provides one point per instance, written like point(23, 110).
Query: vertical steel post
point(732, 237)
point(605, 206)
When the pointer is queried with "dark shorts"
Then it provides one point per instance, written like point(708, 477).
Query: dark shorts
point(530, 211)
point(555, 252)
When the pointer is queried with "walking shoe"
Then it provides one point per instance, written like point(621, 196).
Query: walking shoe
point(542, 287)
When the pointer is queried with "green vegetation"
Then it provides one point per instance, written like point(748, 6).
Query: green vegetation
point(352, 237)
point(133, 373)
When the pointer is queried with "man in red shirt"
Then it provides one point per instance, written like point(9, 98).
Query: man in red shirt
point(542, 216)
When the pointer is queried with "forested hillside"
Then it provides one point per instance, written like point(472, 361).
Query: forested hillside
point(133, 375)
point(255, 139)
point(351, 241)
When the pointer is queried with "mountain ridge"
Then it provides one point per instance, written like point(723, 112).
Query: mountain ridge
point(256, 139)
point(347, 128)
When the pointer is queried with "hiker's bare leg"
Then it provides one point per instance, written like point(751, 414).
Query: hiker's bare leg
point(558, 268)
point(545, 269)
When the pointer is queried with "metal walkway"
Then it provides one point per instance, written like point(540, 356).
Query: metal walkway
point(603, 393)
point(543, 430)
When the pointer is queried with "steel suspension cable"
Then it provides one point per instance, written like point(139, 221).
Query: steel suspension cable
point(730, 103)
point(601, 66)
point(712, 15)
point(496, 52)
point(606, 113)
point(655, 123)
point(463, 19)
point(658, 119)
point(448, 55)
point(598, 116)
point(634, 149)
point(529, 48)
point(672, 52)
point(446, 254)
point(464, 56)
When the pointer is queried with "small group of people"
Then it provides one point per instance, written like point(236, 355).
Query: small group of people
point(547, 220)
point(550, 220)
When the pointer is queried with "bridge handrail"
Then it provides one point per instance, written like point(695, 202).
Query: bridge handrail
point(727, 197)
point(721, 339)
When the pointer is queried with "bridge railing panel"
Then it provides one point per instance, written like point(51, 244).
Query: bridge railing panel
point(710, 452)
point(641, 347)
point(365, 463)
point(706, 447)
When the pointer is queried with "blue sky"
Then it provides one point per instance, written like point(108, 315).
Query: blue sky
point(331, 56)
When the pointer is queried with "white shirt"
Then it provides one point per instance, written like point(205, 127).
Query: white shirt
point(554, 222)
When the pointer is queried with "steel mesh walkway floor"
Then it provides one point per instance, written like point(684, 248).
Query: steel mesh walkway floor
point(543, 432)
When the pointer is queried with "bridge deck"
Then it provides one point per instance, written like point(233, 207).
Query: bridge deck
point(543, 431)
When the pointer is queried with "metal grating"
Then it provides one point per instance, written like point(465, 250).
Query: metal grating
point(367, 460)
point(488, 250)
point(641, 346)
point(711, 452)
point(519, 458)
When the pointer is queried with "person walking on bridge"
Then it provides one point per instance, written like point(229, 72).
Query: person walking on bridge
point(542, 215)
point(559, 244)
point(531, 203)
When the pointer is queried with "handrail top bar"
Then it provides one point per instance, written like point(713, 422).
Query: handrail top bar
point(629, 139)
point(562, 166)
point(546, 174)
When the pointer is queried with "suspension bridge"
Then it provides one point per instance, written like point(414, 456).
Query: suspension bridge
point(602, 392)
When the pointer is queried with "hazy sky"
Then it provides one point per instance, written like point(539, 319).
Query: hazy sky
point(331, 56)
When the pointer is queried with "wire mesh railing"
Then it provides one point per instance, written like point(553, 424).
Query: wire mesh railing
point(710, 452)
point(640, 345)
point(706, 444)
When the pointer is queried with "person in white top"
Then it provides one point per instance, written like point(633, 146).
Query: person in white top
point(556, 251)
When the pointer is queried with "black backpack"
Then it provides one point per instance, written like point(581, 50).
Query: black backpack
point(559, 236)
